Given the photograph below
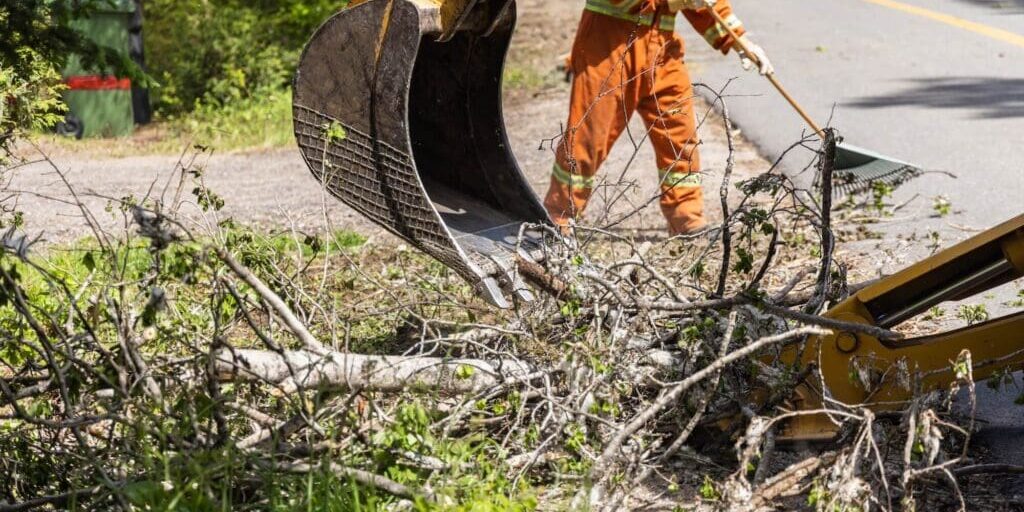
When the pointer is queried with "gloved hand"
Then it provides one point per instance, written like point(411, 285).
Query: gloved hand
point(757, 56)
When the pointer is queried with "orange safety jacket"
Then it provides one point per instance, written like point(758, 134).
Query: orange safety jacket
point(703, 22)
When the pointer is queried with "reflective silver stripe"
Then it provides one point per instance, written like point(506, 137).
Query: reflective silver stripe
point(573, 180)
point(668, 22)
point(717, 31)
point(625, 6)
point(680, 179)
point(622, 12)
point(614, 12)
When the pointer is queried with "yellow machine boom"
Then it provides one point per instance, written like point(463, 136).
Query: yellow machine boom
point(858, 369)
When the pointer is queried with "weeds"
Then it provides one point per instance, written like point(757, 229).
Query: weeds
point(972, 313)
point(1018, 302)
point(527, 79)
point(880, 192)
point(260, 122)
point(941, 206)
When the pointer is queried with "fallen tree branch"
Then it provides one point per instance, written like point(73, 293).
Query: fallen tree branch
point(833, 324)
point(988, 469)
point(785, 482)
point(56, 500)
point(828, 323)
point(371, 373)
point(536, 274)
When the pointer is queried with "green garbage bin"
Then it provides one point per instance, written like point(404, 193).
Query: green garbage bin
point(100, 105)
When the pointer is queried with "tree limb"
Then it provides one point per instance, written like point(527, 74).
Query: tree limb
point(372, 373)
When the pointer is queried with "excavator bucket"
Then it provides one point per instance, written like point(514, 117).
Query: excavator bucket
point(397, 111)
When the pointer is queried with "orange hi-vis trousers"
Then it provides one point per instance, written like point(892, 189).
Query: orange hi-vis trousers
point(621, 68)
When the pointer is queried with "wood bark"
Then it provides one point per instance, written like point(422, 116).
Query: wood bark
point(293, 370)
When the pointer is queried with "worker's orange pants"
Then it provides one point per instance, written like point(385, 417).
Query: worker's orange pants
point(620, 68)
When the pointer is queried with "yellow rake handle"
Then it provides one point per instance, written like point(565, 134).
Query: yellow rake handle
point(771, 76)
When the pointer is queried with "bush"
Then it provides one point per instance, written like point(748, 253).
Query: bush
point(258, 121)
point(217, 52)
point(29, 100)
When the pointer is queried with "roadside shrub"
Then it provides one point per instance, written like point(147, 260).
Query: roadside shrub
point(217, 52)
point(261, 121)
point(36, 30)
point(28, 101)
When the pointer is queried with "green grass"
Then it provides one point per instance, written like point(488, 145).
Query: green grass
point(261, 122)
point(226, 478)
point(346, 239)
point(527, 78)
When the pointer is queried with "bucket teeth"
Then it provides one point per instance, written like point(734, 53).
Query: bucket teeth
point(489, 290)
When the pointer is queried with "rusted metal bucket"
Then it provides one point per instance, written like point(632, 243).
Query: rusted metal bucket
point(397, 110)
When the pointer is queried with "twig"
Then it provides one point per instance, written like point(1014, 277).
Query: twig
point(826, 167)
point(723, 194)
point(55, 500)
point(988, 469)
point(294, 324)
point(783, 483)
point(364, 477)
point(612, 447)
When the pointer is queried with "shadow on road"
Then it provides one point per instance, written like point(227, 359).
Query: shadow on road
point(990, 98)
point(1012, 6)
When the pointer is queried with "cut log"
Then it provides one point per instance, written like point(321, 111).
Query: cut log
point(300, 369)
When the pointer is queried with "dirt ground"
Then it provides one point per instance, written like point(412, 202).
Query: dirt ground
point(274, 188)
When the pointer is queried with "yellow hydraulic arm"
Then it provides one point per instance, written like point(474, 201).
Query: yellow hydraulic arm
point(860, 369)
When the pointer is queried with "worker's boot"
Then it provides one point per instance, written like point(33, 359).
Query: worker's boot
point(565, 203)
point(689, 228)
point(683, 208)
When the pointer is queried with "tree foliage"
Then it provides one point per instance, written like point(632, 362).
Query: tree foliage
point(206, 54)
point(39, 36)
point(214, 52)
point(40, 30)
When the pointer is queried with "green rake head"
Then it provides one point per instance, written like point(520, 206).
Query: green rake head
point(857, 170)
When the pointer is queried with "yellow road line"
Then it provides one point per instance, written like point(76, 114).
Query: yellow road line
point(978, 28)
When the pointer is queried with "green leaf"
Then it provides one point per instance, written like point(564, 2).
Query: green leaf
point(334, 131)
point(464, 372)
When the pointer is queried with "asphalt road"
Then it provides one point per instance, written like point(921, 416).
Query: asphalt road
point(939, 83)
point(922, 89)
